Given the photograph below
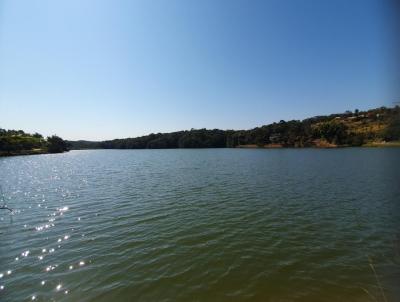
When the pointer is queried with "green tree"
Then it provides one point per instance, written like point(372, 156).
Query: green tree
point(392, 132)
point(56, 144)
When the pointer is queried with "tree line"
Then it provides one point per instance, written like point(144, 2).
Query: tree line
point(345, 129)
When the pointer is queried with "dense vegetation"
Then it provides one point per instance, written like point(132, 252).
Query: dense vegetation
point(17, 142)
point(376, 126)
point(345, 129)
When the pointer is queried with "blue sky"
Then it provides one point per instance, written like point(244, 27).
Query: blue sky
point(107, 69)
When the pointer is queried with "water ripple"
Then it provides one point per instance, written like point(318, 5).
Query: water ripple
point(200, 225)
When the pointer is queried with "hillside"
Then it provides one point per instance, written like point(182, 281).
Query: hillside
point(380, 126)
point(17, 142)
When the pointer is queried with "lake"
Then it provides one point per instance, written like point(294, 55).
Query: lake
point(202, 225)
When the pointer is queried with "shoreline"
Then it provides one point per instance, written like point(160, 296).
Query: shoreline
point(322, 145)
point(26, 152)
point(395, 144)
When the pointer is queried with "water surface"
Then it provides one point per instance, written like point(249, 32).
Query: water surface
point(201, 225)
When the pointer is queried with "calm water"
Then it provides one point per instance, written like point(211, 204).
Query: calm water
point(201, 225)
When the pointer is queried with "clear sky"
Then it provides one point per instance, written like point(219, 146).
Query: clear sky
point(112, 69)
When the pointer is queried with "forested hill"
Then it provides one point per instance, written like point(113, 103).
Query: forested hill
point(379, 126)
point(17, 142)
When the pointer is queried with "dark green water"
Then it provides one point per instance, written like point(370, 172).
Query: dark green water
point(201, 225)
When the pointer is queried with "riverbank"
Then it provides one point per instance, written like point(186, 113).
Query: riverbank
point(26, 152)
point(383, 144)
point(395, 144)
point(18, 142)
point(321, 145)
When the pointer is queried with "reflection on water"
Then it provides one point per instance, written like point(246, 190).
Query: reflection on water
point(202, 225)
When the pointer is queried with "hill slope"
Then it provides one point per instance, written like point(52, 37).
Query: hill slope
point(380, 126)
point(17, 142)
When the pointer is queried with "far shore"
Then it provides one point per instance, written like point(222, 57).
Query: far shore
point(320, 145)
point(249, 146)
point(25, 152)
point(252, 146)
